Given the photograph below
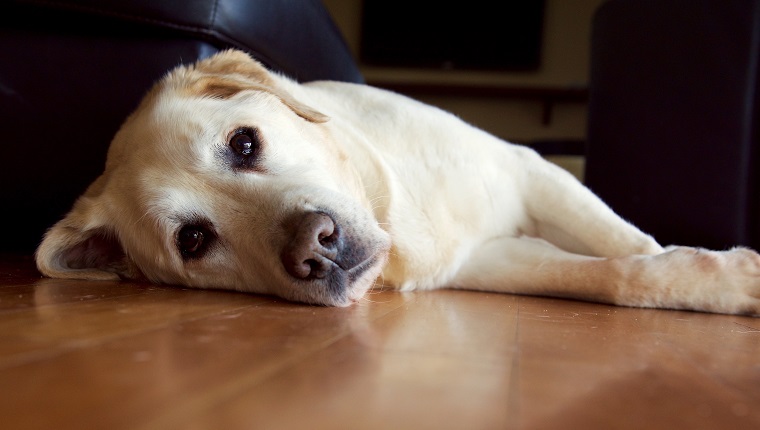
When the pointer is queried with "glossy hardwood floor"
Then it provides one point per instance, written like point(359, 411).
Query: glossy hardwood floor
point(109, 355)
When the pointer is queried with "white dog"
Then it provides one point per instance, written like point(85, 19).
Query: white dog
point(228, 176)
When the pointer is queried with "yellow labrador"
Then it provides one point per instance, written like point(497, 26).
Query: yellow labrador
point(228, 176)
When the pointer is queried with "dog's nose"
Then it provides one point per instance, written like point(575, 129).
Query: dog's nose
point(314, 247)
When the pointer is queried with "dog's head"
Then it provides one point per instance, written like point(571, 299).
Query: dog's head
point(223, 178)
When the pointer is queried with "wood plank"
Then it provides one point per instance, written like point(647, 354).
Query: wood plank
point(51, 292)
point(42, 331)
point(455, 360)
point(126, 377)
point(129, 355)
point(591, 366)
point(444, 360)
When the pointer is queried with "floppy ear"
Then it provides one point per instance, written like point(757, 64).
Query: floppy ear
point(230, 72)
point(234, 62)
point(80, 246)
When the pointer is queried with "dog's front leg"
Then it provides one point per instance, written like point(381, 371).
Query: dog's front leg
point(681, 278)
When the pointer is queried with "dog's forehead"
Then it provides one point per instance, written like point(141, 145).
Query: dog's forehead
point(173, 112)
point(168, 126)
point(171, 117)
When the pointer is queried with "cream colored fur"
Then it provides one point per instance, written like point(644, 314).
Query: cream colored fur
point(432, 202)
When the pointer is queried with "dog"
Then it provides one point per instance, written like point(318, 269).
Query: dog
point(230, 176)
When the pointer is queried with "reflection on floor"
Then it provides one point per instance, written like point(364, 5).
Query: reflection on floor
point(124, 355)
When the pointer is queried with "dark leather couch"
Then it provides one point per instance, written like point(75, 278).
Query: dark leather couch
point(72, 70)
point(674, 115)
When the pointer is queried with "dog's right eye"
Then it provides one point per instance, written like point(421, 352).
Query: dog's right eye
point(193, 240)
point(245, 144)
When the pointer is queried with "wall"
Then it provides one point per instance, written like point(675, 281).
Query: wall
point(564, 65)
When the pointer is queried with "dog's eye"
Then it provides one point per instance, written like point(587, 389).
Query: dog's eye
point(242, 144)
point(245, 142)
point(192, 240)
point(245, 147)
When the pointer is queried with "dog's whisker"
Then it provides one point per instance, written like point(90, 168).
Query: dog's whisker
point(372, 291)
point(376, 198)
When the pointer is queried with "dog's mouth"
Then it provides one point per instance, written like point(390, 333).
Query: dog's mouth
point(340, 287)
point(364, 276)
point(355, 273)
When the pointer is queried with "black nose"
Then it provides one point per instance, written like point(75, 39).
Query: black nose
point(313, 249)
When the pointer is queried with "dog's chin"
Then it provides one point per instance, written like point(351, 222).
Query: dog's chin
point(365, 278)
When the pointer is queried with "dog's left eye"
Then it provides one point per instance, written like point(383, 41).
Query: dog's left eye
point(193, 240)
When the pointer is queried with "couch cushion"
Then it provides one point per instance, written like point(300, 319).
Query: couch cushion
point(71, 71)
point(296, 37)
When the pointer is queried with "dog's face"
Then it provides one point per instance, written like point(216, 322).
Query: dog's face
point(222, 179)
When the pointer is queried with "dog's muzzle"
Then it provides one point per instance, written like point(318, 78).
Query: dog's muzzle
point(320, 249)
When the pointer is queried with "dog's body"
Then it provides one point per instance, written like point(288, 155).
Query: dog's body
point(227, 176)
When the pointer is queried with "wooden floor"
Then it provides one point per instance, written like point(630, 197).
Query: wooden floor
point(109, 355)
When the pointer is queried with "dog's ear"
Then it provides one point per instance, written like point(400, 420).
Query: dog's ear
point(230, 72)
point(82, 246)
point(234, 62)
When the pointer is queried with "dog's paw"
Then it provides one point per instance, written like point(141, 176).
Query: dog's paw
point(702, 280)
